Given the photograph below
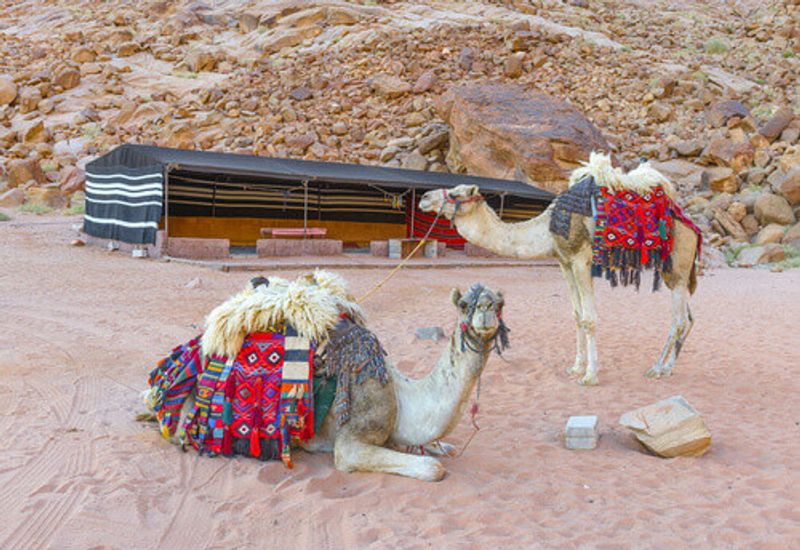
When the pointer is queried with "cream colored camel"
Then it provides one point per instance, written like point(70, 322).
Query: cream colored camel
point(404, 413)
point(416, 413)
point(532, 239)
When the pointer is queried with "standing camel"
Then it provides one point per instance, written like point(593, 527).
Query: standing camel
point(533, 239)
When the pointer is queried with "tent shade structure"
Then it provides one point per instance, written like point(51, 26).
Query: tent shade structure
point(135, 190)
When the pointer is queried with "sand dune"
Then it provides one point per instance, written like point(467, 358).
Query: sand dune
point(80, 328)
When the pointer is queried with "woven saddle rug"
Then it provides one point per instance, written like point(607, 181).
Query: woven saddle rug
point(632, 231)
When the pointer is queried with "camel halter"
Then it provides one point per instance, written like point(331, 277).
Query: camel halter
point(458, 202)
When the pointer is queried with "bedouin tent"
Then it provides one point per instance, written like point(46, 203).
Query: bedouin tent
point(135, 190)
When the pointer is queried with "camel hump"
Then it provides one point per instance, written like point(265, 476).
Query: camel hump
point(641, 180)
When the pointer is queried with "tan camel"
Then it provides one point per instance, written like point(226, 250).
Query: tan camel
point(532, 239)
point(416, 413)
point(403, 413)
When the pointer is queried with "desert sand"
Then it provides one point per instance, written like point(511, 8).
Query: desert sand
point(81, 328)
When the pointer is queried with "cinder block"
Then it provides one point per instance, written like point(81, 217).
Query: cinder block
point(379, 248)
point(395, 248)
point(441, 249)
point(581, 432)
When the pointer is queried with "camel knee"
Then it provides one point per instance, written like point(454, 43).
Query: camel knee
point(586, 324)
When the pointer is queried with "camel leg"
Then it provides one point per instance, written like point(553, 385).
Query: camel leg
point(352, 455)
point(583, 277)
point(682, 322)
point(579, 367)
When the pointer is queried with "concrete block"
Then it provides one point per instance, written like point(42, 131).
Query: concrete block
point(379, 248)
point(298, 247)
point(581, 432)
point(198, 249)
point(395, 249)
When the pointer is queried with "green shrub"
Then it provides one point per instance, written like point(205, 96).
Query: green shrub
point(4, 218)
point(37, 209)
point(716, 46)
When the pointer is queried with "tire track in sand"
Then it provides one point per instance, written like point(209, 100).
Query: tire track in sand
point(39, 527)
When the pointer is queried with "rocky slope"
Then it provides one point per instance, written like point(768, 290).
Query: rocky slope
point(708, 89)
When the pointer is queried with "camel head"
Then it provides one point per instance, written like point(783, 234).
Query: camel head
point(460, 200)
point(480, 319)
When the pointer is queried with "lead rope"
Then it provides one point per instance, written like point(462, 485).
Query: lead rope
point(405, 260)
point(473, 411)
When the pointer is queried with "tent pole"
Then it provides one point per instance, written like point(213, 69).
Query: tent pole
point(413, 209)
point(502, 204)
point(166, 201)
point(305, 209)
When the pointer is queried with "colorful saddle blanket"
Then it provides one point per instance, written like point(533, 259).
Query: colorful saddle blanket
point(632, 232)
point(254, 404)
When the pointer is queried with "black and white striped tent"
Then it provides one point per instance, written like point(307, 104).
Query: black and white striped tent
point(135, 190)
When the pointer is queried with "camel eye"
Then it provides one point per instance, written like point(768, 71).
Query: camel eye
point(463, 306)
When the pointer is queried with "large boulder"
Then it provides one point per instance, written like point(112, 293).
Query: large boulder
point(792, 237)
point(788, 185)
point(758, 255)
point(20, 171)
point(669, 428)
point(771, 208)
point(8, 89)
point(504, 131)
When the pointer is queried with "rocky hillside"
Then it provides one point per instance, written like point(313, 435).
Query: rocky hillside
point(708, 89)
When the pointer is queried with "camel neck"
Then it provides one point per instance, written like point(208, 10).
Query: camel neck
point(429, 408)
point(528, 240)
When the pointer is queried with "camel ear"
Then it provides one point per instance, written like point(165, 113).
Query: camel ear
point(455, 296)
point(501, 300)
point(473, 190)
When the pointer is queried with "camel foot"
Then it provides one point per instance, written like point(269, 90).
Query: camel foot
point(576, 370)
point(589, 380)
point(658, 371)
point(441, 448)
point(429, 470)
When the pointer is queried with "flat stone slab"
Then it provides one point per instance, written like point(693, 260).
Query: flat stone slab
point(581, 432)
point(669, 428)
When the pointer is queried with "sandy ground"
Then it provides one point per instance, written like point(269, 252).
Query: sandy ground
point(81, 327)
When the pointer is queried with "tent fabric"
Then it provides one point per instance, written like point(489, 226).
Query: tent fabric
point(127, 194)
point(124, 204)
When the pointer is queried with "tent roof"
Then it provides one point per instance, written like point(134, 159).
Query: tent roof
point(140, 156)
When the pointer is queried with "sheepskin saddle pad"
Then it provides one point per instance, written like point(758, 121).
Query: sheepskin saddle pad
point(634, 215)
point(247, 385)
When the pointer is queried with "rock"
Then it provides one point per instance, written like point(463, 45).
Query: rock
point(340, 128)
point(389, 86)
point(790, 135)
point(300, 94)
point(425, 82)
point(435, 140)
point(194, 283)
point(72, 179)
point(688, 148)
point(412, 120)
point(34, 132)
point(779, 121)
point(415, 161)
point(731, 226)
point(127, 49)
point(771, 208)
point(388, 153)
point(717, 114)
point(21, 171)
point(12, 198)
point(430, 333)
point(756, 176)
point(288, 38)
point(300, 141)
point(727, 82)
point(758, 255)
point(772, 233)
point(29, 99)
point(200, 60)
point(750, 225)
point(792, 237)
point(506, 132)
point(248, 22)
point(788, 186)
point(466, 58)
point(737, 211)
point(83, 54)
point(719, 179)
point(8, 90)
point(51, 197)
point(581, 432)
point(660, 112)
point(68, 78)
point(669, 428)
point(77, 242)
point(514, 63)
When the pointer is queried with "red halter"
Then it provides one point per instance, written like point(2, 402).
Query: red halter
point(458, 202)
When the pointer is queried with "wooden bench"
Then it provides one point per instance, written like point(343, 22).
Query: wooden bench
point(293, 232)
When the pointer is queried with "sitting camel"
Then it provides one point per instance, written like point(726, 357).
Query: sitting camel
point(533, 239)
point(386, 410)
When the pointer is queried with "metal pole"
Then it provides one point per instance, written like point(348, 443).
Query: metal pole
point(502, 204)
point(413, 209)
point(305, 209)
